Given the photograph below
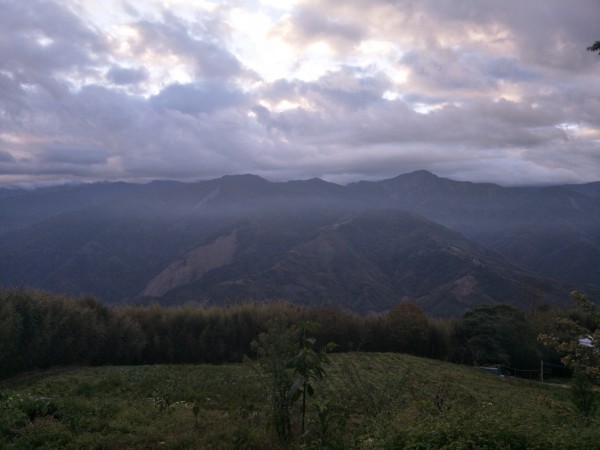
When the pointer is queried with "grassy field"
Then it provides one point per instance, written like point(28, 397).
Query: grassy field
point(367, 401)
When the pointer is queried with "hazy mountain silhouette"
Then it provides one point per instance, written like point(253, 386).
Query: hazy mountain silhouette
point(444, 244)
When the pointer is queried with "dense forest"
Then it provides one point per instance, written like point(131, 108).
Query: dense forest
point(40, 330)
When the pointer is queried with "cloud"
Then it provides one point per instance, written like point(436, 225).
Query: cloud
point(6, 157)
point(309, 26)
point(486, 91)
point(73, 155)
point(202, 97)
point(40, 39)
point(123, 76)
point(172, 38)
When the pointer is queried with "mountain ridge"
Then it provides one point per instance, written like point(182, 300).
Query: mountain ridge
point(113, 239)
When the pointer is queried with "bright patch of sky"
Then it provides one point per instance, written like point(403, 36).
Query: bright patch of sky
point(256, 46)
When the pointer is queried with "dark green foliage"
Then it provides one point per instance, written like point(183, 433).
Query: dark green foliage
point(409, 329)
point(461, 438)
point(117, 409)
point(325, 427)
point(195, 412)
point(373, 397)
point(583, 397)
point(275, 348)
point(40, 330)
point(35, 407)
point(307, 365)
point(595, 47)
point(291, 367)
point(497, 334)
point(568, 332)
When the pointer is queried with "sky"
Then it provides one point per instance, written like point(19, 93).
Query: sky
point(476, 90)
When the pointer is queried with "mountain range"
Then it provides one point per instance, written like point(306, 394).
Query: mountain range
point(445, 245)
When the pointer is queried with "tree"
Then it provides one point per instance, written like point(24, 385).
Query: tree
point(583, 397)
point(595, 47)
point(577, 338)
point(286, 355)
point(10, 334)
point(498, 334)
point(274, 349)
point(307, 366)
point(408, 328)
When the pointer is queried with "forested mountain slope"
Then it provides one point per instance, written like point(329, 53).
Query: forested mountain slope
point(444, 244)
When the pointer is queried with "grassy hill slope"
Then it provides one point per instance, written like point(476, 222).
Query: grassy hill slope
point(368, 401)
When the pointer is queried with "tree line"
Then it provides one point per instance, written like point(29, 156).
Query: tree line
point(39, 330)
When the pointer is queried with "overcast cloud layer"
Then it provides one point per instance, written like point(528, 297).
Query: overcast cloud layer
point(499, 91)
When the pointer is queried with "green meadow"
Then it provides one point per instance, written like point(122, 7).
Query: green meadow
point(365, 401)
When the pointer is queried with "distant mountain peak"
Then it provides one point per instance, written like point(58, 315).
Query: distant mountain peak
point(417, 176)
point(243, 178)
point(363, 246)
point(243, 183)
point(421, 174)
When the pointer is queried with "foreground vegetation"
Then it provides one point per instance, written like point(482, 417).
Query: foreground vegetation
point(40, 330)
point(289, 393)
point(366, 401)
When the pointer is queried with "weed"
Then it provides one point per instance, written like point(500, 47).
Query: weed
point(372, 396)
point(584, 398)
point(326, 427)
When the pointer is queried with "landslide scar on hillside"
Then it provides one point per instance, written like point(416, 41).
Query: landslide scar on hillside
point(193, 266)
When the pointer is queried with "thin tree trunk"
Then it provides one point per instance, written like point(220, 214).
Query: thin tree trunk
point(303, 405)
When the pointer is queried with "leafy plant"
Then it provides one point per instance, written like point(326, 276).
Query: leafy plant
point(308, 366)
point(195, 412)
point(274, 349)
point(325, 427)
point(576, 338)
point(583, 397)
point(287, 356)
